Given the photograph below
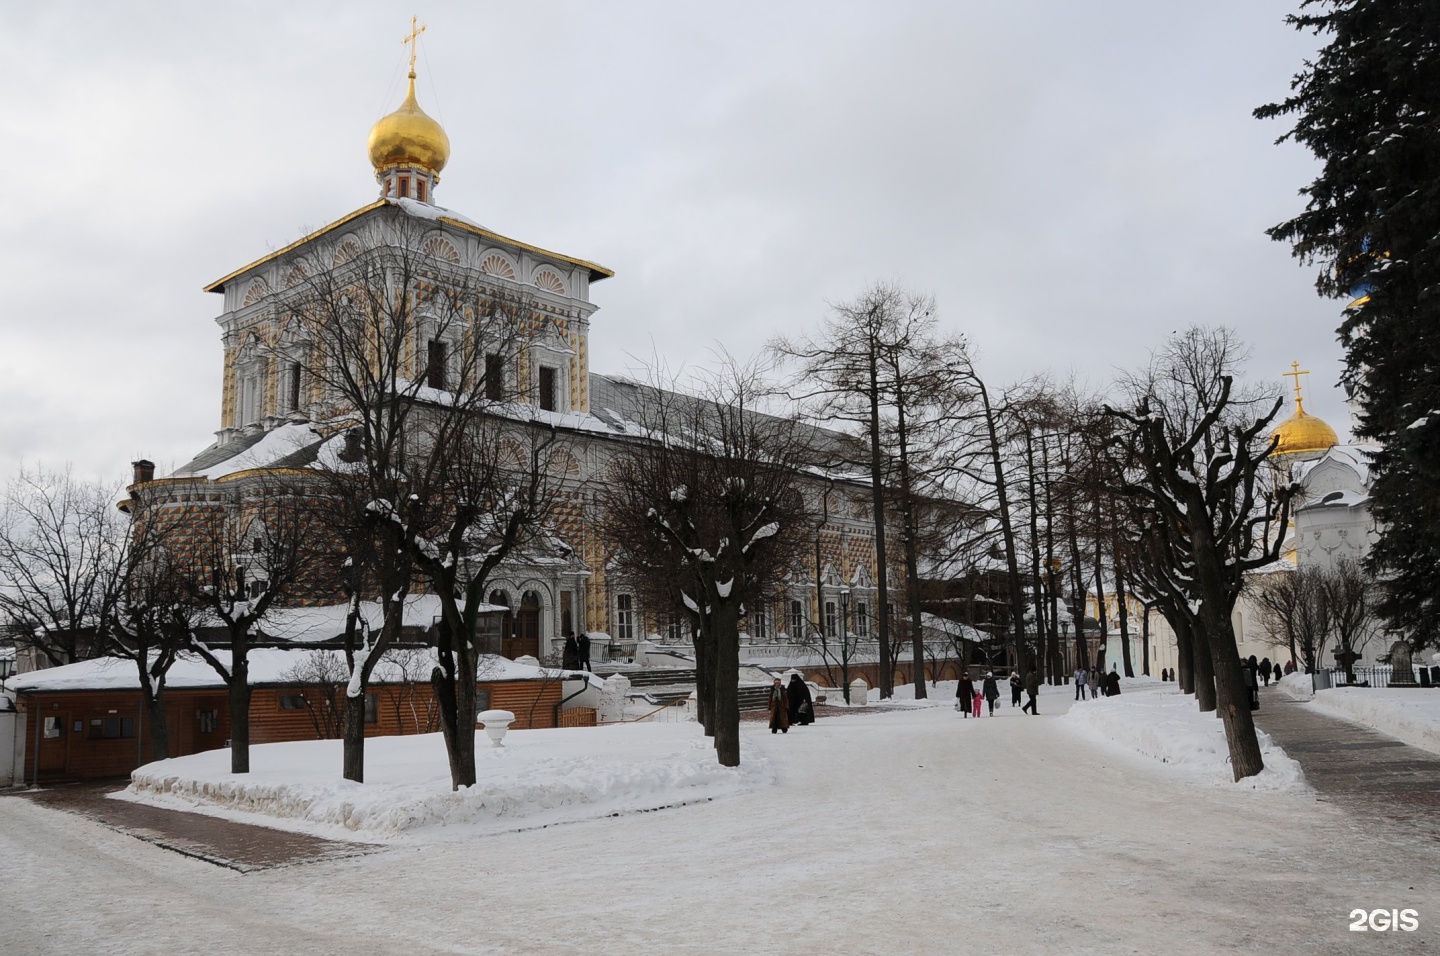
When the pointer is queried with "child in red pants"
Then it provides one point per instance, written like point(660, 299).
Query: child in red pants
point(977, 703)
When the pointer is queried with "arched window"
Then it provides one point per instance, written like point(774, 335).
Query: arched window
point(624, 617)
point(549, 281)
point(249, 383)
point(255, 291)
point(438, 247)
point(497, 265)
point(797, 619)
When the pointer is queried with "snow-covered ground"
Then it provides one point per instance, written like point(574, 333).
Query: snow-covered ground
point(901, 831)
point(538, 778)
point(543, 777)
point(1411, 714)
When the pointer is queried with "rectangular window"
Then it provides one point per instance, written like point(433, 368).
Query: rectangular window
point(372, 709)
point(111, 728)
point(674, 632)
point(832, 620)
point(549, 397)
point(797, 621)
point(403, 188)
point(435, 367)
point(862, 619)
point(624, 617)
point(760, 626)
point(420, 189)
point(494, 378)
point(292, 702)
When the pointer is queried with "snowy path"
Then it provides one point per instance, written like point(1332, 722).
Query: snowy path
point(898, 833)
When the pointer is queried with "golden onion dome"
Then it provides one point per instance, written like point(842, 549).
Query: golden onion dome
point(409, 137)
point(1303, 433)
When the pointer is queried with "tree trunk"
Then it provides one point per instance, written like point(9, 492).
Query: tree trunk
point(725, 620)
point(1233, 700)
point(239, 700)
point(353, 726)
point(159, 733)
point(1102, 613)
point(1145, 638)
point(465, 713)
point(1123, 614)
point(1184, 653)
point(445, 701)
point(1204, 669)
point(705, 676)
point(877, 503)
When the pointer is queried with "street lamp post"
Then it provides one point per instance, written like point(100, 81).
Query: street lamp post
point(845, 641)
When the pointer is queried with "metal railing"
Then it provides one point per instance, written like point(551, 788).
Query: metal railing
point(1369, 675)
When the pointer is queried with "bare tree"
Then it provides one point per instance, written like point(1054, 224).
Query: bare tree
point(714, 493)
point(63, 557)
point(1202, 471)
point(1348, 590)
point(840, 374)
point(323, 676)
point(245, 556)
point(1293, 608)
point(404, 669)
point(153, 619)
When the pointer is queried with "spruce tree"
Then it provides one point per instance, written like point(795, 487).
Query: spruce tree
point(1368, 106)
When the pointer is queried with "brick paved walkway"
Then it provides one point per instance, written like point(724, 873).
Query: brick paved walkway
point(1374, 775)
point(239, 846)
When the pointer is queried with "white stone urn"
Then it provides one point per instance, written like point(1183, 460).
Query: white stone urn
point(496, 723)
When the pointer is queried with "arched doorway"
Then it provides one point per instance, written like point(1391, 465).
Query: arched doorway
point(527, 627)
point(507, 622)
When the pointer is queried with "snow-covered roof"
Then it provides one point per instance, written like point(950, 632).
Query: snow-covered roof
point(268, 665)
point(1354, 457)
point(950, 628)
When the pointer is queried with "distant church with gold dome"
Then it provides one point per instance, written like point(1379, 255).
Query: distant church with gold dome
point(1330, 519)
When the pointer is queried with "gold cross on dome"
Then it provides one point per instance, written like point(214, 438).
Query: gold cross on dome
point(1295, 373)
point(414, 35)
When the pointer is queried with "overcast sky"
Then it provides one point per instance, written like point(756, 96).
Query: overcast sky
point(1072, 180)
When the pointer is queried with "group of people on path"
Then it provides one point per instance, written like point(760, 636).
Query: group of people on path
point(971, 697)
point(1097, 682)
point(790, 704)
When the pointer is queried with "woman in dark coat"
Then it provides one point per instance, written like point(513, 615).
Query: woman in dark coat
point(991, 690)
point(964, 694)
point(1112, 684)
point(802, 707)
point(779, 709)
point(1016, 685)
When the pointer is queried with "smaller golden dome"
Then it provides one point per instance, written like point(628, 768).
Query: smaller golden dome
point(1304, 433)
point(409, 137)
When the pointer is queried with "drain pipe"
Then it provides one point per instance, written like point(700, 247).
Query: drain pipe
point(584, 684)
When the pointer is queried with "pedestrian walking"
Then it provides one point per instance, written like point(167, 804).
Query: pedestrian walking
point(991, 691)
point(779, 708)
point(1081, 676)
point(582, 646)
point(1112, 684)
point(1094, 682)
point(570, 656)
point(964, 694)
point(1016, 685)
point(1265, 672)
point(801, 704)
point(1032, 691)
point(976, 699)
